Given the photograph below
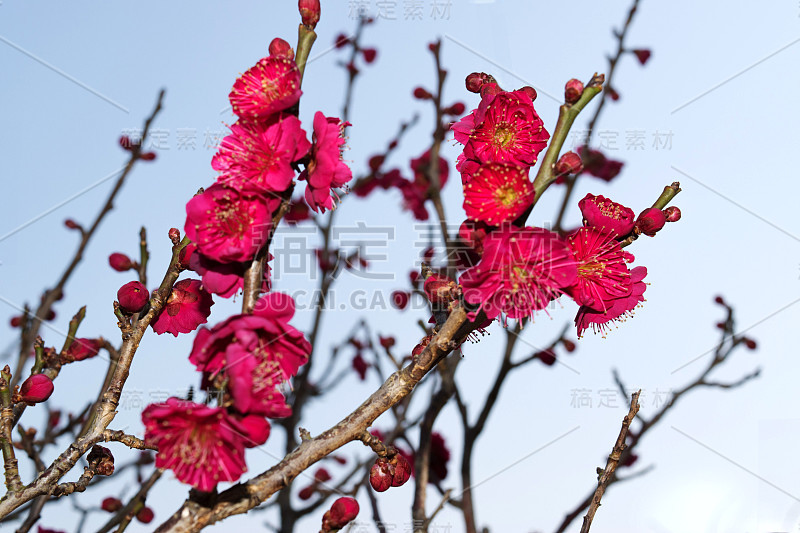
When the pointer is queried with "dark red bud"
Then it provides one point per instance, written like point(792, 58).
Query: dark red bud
point(120, 262)
point(490, 89)
point(569, 163)
point(309, 12)
point(322, 475)
point(642, 55)
point(36, 389)
point(402, 470)
point(548, 357)
point(421, 93)
point(530, 91)
point(380, 477)
point(132, 297)
point(280, 48)
point(375, 162)
point(145, 515)
point(475, 81)
point(369, 54)
point(174, 235)
point(101, 460)
point(613, 94)
point(125, 142)
point(400, 299)
point(568, 345)
point(573, 91)
point(719, 300)
point(16, 321)
point(341, 41)
point(650, 221)
point(71, 224)
point(343, 511)
point(148, 156)
point(306, 493)
point(672, 213)
point(387, 342)
point(111, 504)
point(456, 109)
point(750, 343)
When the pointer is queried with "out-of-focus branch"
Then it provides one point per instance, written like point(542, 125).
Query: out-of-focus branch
point(53, 294)
point(611, 465)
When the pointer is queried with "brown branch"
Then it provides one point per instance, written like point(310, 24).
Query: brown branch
point(106, 410)
point(134, 504)
point(611, 465)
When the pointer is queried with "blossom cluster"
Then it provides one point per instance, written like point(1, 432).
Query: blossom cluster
point(516, 269)
point(244, 360)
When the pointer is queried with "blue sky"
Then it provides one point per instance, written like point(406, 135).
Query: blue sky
point(720, 82)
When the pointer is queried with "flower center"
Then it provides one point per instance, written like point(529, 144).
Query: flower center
point(506, 195)
point(504, 135)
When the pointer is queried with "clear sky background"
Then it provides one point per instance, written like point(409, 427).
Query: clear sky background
point(720, 84)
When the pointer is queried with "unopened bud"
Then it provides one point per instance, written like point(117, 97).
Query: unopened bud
point(402, 470)
point(343, 511)
point(530, 91)
point(456, 109)
point(125, 142)
point(132, 297)
point(750, 343)
point(280, 48)
point(306, 493)
point(650, 221)
point(475, 81)
point(642, 55)
point(548, 357)
point(568, 345)
point(145, 515)
point(380, 476)
point(120, 262)
point(420, 93)
point(569, 163)
point(36, 389)
point(71, 224)
point(400, 299)
point(174, 235)
point(309, 12)
point(672, 213)
point(148, 156)
point(369, 54)
point(573, 91)
point(111, 504)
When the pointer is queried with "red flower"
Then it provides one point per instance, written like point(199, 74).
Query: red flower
point(601, 213)
point(326, 170)
point(603, 274)
point(258, 156)
point(620, 309)
point(504, 129)
point(202, 445)
point(228, 226)
point(521, 271)
point(272, 85)
point(132, 297)
point(254, 353)
point(497, 193)
point(187, 307)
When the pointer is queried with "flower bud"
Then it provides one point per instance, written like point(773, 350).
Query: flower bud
point(490, 89)
point(548, 357)
point(750, 343)
point(342, 511)
point(650, 221)
point(386, 342)
point(421, 346)
point(672, 213)
point(306, 493)
point(420, 93)
point(101, 460)
point(719, 300)
point(309, 12)
point(569, 346)
point(475, 81)
point(569, 163)
point(322, 475)
point(125, 142)
point(402, 470)
point(573, 91)
point(280, 48)
point(530, 91)
point(439, 289)
point(400, 299)
point(71, 224)
point(81, 349)
point(456, 109)
point(120, 262)
point(341, 41)
point(36, 389)
point(132, 297)
point(148, 156)
point(16, 321)
point(111, 504)
point(380, 476)
point(145, 515)
point(369, 54)
point(630, 460)
point(174, 235)
point(642, 55)
point(612, 93)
